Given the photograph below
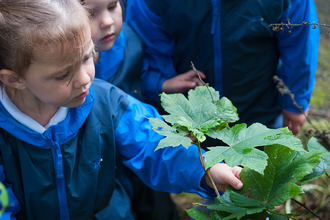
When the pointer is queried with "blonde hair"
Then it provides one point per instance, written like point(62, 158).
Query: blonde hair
point(29, 28)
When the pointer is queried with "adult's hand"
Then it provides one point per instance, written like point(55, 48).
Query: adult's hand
point(294, 121)
point(182, 82)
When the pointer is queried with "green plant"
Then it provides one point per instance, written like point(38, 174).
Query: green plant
point(3, 198)
point(269, 176)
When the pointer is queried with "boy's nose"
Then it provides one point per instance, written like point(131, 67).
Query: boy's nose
point(106, 21)
point(81, 79)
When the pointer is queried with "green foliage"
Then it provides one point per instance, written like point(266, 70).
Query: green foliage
point(197, 214)
point(3, 198)
point(196, 115)
point(269, 176)
point(324, 165)
point(242, 142)
point(285, 167)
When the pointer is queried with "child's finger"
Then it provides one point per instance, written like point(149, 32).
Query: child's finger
point(236, 181)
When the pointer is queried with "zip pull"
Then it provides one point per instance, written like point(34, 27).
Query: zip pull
point(58, 158)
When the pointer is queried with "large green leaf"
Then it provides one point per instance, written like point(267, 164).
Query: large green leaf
point(285, 167)
point(264, 192)
point(199, 113)
point(242, 141)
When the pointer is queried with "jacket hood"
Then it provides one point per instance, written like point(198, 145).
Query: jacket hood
point(64, 130)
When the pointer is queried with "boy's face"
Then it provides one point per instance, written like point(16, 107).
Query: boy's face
point(106, 21)
point(50, 83)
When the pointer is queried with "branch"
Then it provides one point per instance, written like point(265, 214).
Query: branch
point(205, 84)
point(323, 137)
point(313, 213)
point(283, 89)
point(280, 27)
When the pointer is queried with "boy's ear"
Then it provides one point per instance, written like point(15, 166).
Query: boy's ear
point(11, 79)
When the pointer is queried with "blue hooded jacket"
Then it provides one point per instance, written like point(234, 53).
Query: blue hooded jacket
point(232, 43)
point(69, 171)
point(122, 64)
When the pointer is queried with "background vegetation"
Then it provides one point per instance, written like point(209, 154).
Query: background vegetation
point(317, 192)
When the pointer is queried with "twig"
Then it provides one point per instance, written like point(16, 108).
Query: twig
point(205, 84)
point(280, 27)
point(307, 208)
point(262, 214)
point(207, 170)
point(283, 89)
point(322, 137)
point(327, 175)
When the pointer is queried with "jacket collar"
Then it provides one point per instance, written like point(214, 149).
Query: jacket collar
point(60, 133)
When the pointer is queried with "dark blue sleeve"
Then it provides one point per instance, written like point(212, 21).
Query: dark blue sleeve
point(157, 64)
point(298, 54)
point(172, 169)
point(12, 206)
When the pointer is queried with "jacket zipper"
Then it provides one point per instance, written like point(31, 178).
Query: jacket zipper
point(60, 182)
point(216, 27)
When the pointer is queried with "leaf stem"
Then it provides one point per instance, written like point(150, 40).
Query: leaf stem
point(327, 175)
point(262, 214)
point(207, 170)
point(306, 208)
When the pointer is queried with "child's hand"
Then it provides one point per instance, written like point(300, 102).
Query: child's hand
point(224, 175)
point(183, 82)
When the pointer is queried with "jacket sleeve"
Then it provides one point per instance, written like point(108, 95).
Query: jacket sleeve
point(298, 54)
point(12, 204)
point(157, 64)
point(170, 169)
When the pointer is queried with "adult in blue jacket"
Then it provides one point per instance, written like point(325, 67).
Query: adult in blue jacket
point(232, 44)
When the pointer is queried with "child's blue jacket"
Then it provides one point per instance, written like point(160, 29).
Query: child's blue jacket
point(122, 64)
point(69, 171)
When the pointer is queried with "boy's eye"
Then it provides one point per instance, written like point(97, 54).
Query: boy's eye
point(91, 55)
point(112, 6)
point(64, 76)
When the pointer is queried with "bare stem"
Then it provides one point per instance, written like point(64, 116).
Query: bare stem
point(280, 214)
point(310, 211)
point(262, 214)
point(283, 89)
point(327, 175)
point(207, 170)
point(205, 84)
point(280, 26)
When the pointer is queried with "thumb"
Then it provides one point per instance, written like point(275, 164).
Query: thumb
point(189, 84)
point(236, 183)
